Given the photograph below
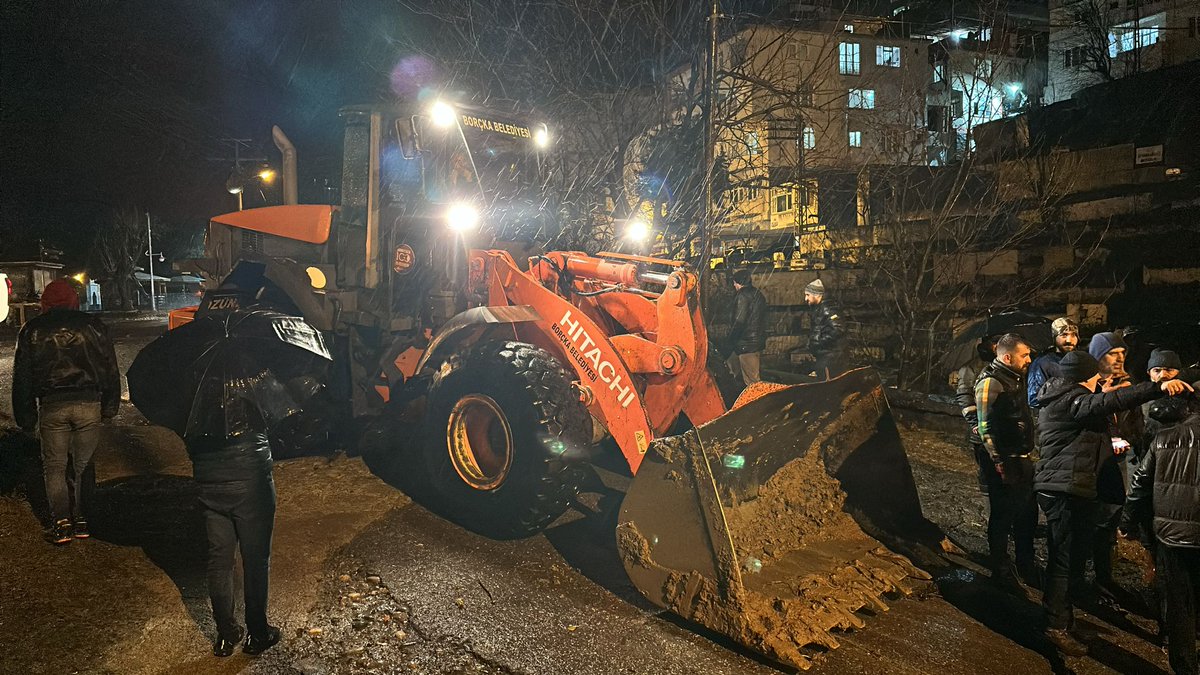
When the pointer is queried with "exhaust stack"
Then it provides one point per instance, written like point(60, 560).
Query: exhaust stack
point(290, 192)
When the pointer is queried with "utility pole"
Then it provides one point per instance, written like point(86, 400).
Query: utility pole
point(710, 152)
point(150, 252)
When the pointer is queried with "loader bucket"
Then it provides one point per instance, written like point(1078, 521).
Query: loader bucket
point(777, 522)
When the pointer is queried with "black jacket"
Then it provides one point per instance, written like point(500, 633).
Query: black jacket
point(1167, 485)
point(246, 457)
point(1004, 416)
point(64, 355)
point(826, 337)
point(1073, 430)
point(748, 332)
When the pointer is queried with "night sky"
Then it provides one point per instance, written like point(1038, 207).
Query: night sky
point(113, 103)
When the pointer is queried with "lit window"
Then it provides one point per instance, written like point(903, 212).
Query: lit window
point(753, 146)
point(861, 98)
point(983, 68)
point(939, 72)
point(848, 58)
point(810, 138)
point(856, 139)
point(887, 56)
point(985, 34)
point(783, 202)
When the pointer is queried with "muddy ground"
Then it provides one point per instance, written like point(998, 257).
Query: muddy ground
point(363, 581)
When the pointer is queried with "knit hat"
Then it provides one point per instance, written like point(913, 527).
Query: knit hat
point(1078, 366)
point(815, 287)
point(1063, 325)
point(1164, 358)
point(59, 294)
point(1103, 343)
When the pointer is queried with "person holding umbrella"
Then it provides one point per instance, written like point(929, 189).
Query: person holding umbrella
point(217, 382)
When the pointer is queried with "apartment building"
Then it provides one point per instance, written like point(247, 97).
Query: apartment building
point(1095, 41)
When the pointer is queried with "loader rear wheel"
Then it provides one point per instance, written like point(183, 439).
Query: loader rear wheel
point(504, 434)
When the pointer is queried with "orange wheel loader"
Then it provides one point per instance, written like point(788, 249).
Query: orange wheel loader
point(485, 373)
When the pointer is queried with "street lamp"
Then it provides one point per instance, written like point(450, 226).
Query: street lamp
point(150, 253)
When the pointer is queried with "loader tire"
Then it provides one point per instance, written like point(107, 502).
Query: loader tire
point(504, 435)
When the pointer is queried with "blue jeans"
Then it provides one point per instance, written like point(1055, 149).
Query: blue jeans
point(68, 430)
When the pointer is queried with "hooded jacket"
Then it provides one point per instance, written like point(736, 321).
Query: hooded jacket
point(64, 355)
point(1167, 485)
point(1073, 427)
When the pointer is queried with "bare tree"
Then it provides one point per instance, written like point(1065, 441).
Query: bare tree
point(115, 249)
point(1093, 22)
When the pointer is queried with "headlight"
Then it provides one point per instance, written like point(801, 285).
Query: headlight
point(637, 230)
point(462, 217)
point(442, 114)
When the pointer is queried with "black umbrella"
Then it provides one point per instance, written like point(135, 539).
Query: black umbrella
point(963, 348)
point(222, 374)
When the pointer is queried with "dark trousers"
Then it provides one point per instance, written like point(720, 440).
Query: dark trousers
point(1104, 541)
point(68, 430)
point(1179, 574)
point(829, 365)
point(1012, 509)
point(1070, 524)
point(239, 514)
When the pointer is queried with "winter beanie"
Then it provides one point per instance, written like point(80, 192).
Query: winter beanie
point(815, 287)
point(1164, 358)
point(59, 294)
point(1063, 325)
point(1078, 366)
point(1103, 343)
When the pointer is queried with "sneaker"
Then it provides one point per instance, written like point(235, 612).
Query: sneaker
point(224, 646)
point(60, 533)
point(81, 529)
point(257, 645)
point(1065, 642)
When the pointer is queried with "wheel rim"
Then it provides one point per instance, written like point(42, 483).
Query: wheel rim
point(480, 442)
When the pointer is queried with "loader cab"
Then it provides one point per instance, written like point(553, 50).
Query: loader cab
point(421, 186)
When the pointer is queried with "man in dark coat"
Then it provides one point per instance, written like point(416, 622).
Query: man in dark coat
point(1163, 364)
point(65, 384)
point(1003, 454)
point(825, 341)
point(748, 332)
point(1074, 442)
point(1066, 338)
point(1126, 428)
point(1166, 492)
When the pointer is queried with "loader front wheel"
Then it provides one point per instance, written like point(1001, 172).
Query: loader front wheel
point(504, 433)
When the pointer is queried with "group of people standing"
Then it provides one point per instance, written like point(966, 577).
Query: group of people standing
point(66, 385)
point(1068, 433)
point(748, 331)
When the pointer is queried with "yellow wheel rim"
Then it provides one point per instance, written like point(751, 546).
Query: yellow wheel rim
point(480, 442)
